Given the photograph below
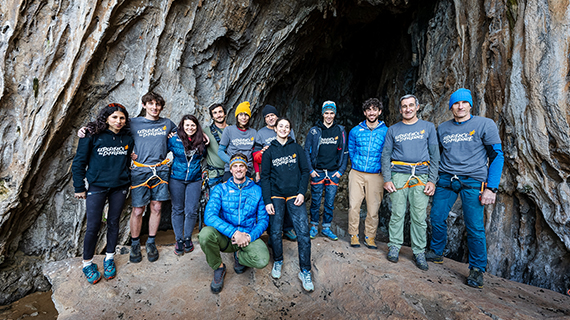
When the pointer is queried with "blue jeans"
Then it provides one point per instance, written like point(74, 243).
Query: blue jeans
point(298, 215)
point(95, 202)
point(443, 199)
point(330, 185)
point(185, 201)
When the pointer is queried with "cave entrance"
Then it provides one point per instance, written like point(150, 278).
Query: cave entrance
point(363, 51)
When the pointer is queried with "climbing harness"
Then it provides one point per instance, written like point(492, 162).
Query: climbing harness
point(327, 181)
point(154, 175)
point(412, 174)
point(284, 198)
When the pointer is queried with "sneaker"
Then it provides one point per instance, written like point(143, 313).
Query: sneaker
point(238, 268)
point(313, 232)
point(475, 278)
point(93, 276)
point(305, 277)
point(151, 252)
point(290, 235)
point(276, 271)
point(433, 257)
point(328, 233)
point(421, 262)
point(218, 281)
point(369, 242)
point(109, 270)
point(135, 256)
point(188, 245)
point(393, 254)
point(354, 241)
point(179, 247)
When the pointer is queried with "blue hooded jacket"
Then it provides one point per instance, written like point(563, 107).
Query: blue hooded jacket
point(365, 147)
point(182, 168)
point(231, 209)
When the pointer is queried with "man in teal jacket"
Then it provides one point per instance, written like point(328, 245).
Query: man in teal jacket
point(235, 217)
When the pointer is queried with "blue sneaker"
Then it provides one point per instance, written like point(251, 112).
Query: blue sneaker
point(305, 277)
point(109, 270)
point(93, 276)
point(290, 235)
point(276, 270)
point(328, 233)
point(313, 232)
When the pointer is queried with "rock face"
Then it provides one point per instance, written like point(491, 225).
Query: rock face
point(350, 283)
point(62, 61)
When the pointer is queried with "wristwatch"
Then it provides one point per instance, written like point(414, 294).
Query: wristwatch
point(494, 190)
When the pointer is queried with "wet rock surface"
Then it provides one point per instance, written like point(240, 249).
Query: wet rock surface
point(350, 283)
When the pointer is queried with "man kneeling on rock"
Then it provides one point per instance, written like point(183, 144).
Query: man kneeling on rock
point(235, 217)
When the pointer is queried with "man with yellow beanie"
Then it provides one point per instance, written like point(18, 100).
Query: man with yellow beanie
point(238, 138)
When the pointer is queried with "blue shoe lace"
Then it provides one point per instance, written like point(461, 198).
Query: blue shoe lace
point(109, 270)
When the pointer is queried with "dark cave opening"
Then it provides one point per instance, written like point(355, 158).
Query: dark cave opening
point(363, 52)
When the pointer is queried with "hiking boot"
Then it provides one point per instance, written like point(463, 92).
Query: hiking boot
point(369, 242)
point(151, 251)
point(93, 276)
point(433, 257)
point(313, 232)
point(218, 281)
point(354, 241)
point(305, 277)
point(421, 262)
point(328, 233)
point(475, 278)
point(238, 268)
point(135, 256)
point(179, 247)
point(109, 270)
point(188, 245)
point(393, 254)
point(276, 271)
point(290, 235)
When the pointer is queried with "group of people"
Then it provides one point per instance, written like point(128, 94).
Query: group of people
point(259, 179)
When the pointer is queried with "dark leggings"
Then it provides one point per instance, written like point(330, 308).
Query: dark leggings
point(95, 202)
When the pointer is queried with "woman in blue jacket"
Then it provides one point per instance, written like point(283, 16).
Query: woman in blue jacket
point(188, 147)
point(103, 157)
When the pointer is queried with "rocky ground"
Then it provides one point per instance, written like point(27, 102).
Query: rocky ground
point(350, 283)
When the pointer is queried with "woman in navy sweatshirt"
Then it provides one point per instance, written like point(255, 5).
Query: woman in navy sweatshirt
point(284, 179)
point(103, 157)
point(189, 148)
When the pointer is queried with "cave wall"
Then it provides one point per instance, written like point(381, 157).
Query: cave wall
point(62, 61)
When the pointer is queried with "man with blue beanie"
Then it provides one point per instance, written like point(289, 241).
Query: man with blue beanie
point(327, 155)
point(470, 166)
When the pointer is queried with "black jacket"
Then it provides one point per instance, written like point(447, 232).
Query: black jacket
point(103, 159)
point(284, 170)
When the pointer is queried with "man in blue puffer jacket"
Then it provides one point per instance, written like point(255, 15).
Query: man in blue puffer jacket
point(365, 143)
point(235, 217)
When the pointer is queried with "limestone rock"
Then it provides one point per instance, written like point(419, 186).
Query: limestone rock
point(350, 283)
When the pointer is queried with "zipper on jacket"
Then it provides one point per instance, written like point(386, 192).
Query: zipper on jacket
point(188, 167)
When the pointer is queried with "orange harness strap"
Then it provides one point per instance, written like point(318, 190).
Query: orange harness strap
point(154, 175)
point(286, 199)
point(412, 175)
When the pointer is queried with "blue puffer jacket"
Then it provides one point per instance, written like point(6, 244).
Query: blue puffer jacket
point(231, 209)
point(365, 147)
point(182, 168)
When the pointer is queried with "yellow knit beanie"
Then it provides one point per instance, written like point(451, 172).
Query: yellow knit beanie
point(243, 108)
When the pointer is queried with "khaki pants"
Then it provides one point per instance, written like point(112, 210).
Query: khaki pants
point(360, 185)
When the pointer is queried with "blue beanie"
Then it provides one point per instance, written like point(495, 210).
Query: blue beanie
point(328, 105)
point(461, 95)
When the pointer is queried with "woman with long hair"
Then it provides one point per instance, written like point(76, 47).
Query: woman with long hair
point(103, 158)
point(189, 148)
point(284, 179)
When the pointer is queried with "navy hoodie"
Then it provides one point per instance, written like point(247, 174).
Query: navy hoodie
point(284, 170)
point(103, 159)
